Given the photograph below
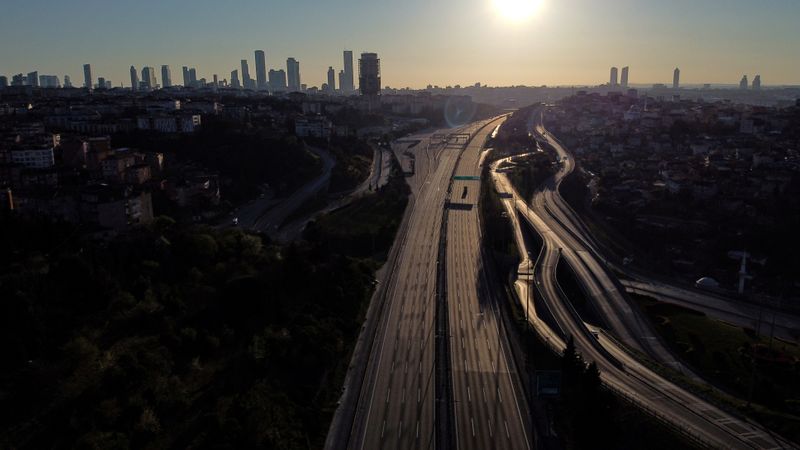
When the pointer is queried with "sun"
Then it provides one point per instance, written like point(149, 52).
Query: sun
point(516, 10)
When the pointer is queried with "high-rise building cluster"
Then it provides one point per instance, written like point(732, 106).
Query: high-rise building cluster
point(274, 81)
point(623, 80)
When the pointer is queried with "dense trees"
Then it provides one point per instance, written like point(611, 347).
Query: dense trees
point(173, 336)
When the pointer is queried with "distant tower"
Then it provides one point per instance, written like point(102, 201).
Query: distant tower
point(331, 80)
point(235, 80)
point(193, 77)
point(246, 81)
point(4, 81)
point(186, 77)
point(277, 80)
point(149, 77)
point(261, 70)
point(293, 73)
point(166, 76)
point(676, 79)
point(757, 83)
point(613, 81)
point(88, 83)
point(347, 84)
point(134, 79)
point(624, 80)
point(33, 79)
point(67, 82)
point(743, 84)
point(369, 74)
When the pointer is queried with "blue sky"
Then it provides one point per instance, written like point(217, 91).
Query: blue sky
point(419, 41)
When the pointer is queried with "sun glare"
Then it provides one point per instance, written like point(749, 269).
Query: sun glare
point(517, 10)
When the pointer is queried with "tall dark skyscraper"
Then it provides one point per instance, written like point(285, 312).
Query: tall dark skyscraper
point(676, 78)
point(4, 82)
point(149, 77)
point(166, 76)
point(624, 80)
point(331, 80)
point(88, 82)
point(33, 79)
point(186, 77)
point(261, 70)
point(347, 81)
point(247, 82)
point(193, 77)
point(134, 79)
point(744, 83)
point(613, 79)
point(293, 73)
point(235, 80)
point(757, 83)
point(369, 74)
point(67, 81)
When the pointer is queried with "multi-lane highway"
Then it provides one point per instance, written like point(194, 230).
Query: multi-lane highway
point(395, 405)
point(620, 371)
point(489, 413)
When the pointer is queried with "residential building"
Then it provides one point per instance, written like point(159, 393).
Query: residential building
point(235, 80)
point(757, 83)
point(676, 78)
point(33, 158)
point(624, 80)
point(247, 82)
point(743, 83)
point(613, 79)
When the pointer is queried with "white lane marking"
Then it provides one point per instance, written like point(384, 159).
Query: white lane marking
point(484, 395)
point(489, 422)
point(508, 435)
point(383, 428)
point(472, 422)
point(499, 395)
point(403, 397)
point(400, 430)
point(419, 395)
point(388, 392)
point(469, 396)
point(418, 430)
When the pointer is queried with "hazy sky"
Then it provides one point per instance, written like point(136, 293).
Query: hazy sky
point(419, 41)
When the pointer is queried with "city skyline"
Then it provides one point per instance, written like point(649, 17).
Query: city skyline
point(545, 49)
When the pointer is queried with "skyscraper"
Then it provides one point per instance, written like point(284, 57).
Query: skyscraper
point(331, 80)
point(277, 80)
point(743, 84)
point(624, 81)
point(193, 77)
point(757, 83)
point(49, 81)
point(261, 70)
point(347, 83)
point(676, 79)
point(186, 77)
point(614, 74)
point(246, 80)
point(369, 74)
point(166, 76)
point(149, 78)
point(235, 80)
point(3, 82)
point(67, 82)
point(293, 73)
point(134, 79)
point(88, 83)
point(33, 79)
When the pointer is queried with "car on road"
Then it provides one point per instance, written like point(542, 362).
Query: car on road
point(464, 193)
